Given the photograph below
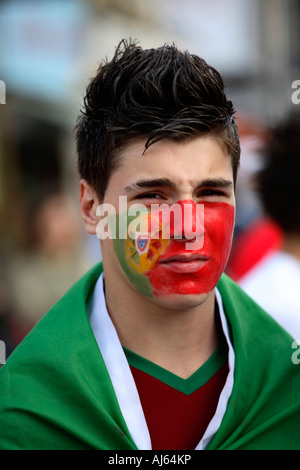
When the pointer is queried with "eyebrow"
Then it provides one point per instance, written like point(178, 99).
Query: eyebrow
point(215, 183)
point(153, 183)
point(167, 183)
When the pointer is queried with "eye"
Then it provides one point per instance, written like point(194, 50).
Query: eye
point(150, 195)
point(210, 192)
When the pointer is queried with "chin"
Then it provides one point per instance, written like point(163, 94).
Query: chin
point(181, 301)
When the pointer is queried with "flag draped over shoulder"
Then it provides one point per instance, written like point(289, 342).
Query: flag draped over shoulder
point(56, 392)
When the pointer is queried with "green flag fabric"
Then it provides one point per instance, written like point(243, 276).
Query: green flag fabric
point(56, 392)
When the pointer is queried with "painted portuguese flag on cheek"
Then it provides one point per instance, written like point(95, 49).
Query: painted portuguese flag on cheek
point(148, 243)
point(139, 252)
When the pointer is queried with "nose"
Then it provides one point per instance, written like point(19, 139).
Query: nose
point(192, 219)
point(189, 226)
point(183, 221)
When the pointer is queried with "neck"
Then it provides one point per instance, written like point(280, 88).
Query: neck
point(179, 340)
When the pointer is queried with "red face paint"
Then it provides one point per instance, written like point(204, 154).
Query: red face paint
point(196, 271)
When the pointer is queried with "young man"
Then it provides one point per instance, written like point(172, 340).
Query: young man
point(156, 349)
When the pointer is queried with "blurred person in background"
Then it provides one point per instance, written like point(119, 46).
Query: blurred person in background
point(39, 275)
point(155, 348)
point(274, 281)
point(255, 234)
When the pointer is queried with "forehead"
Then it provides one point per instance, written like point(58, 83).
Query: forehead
point(181, 162)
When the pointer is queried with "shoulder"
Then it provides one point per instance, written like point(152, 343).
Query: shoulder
point(261, 344)
point(40, 374)
point(65, 320)
point(264, 408)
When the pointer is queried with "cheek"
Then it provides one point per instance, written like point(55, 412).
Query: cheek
point(134, 266)
point(138, 254)
point(219, 224)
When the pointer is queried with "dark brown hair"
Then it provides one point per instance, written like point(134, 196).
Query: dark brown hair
point(155, 94)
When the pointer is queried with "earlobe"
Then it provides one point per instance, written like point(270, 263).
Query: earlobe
point(88, 206)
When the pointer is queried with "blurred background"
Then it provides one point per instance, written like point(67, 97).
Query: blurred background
point(49, 50)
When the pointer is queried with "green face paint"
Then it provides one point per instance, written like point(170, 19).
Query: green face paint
point(139, 251)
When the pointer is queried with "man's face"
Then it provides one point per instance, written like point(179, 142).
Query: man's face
point(176, 262)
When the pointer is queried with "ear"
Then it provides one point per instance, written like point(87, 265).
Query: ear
point(88, 206)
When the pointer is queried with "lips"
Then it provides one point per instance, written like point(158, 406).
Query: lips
point(184, 263)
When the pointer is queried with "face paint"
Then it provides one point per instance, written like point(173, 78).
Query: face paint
point(140, 251)
point(158, 266)
point(144, 248)
point(179, 271)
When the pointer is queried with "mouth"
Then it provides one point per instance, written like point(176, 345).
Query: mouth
point(184, 263)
